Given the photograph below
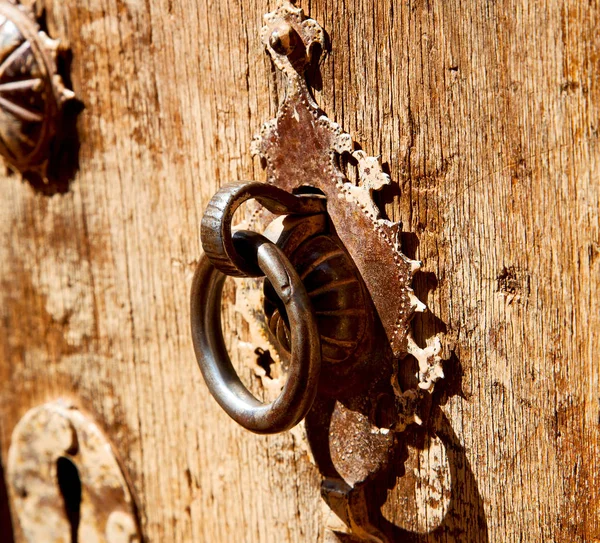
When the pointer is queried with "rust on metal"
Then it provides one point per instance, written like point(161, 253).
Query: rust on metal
point(252, 254)
point(350, 429)
point(64, 481)
point(354, 273)
point(302, 148)
point(32, 93)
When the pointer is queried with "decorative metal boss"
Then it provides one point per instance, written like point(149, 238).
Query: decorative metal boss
point(32, 92)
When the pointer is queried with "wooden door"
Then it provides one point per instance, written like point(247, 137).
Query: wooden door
point(487, 115)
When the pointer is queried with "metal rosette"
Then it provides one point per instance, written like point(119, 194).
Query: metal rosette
point(32, 93)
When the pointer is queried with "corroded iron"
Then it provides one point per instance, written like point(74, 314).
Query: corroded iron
point(32, 92)
point(64, 481)
point(353, 270)
point(352, 436)
point(260, 256)
point(345, 317)
point(334, 287)
point(302, 147)
point(216, 227)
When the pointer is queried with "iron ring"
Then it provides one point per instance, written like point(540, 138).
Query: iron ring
point(215, 228)
point(299, 391)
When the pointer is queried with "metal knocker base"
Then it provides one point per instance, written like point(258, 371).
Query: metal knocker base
point(224, 384)
point(355, 301)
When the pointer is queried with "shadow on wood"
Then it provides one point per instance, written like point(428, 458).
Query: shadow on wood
point(6, 528)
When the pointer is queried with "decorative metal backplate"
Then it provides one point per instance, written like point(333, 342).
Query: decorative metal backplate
point(64, 481)
point(32, 92)
point(304, 151)
point(302, 147)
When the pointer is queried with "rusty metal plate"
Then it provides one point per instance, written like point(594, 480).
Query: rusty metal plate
point(303, 148)
point(64, 482)
point(353, 433)
point(350, 262)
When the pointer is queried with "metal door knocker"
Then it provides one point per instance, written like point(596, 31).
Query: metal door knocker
point(337, 295)
point(247, 253)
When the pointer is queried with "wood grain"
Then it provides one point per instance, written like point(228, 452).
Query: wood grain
point(487, 114)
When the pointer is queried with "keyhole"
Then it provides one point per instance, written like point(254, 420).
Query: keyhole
point(70, 488)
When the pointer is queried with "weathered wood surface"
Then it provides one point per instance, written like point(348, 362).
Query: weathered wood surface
point(488, 116)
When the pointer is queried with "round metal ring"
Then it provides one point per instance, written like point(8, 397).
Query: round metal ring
point(224, 384)
point(215, 228)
